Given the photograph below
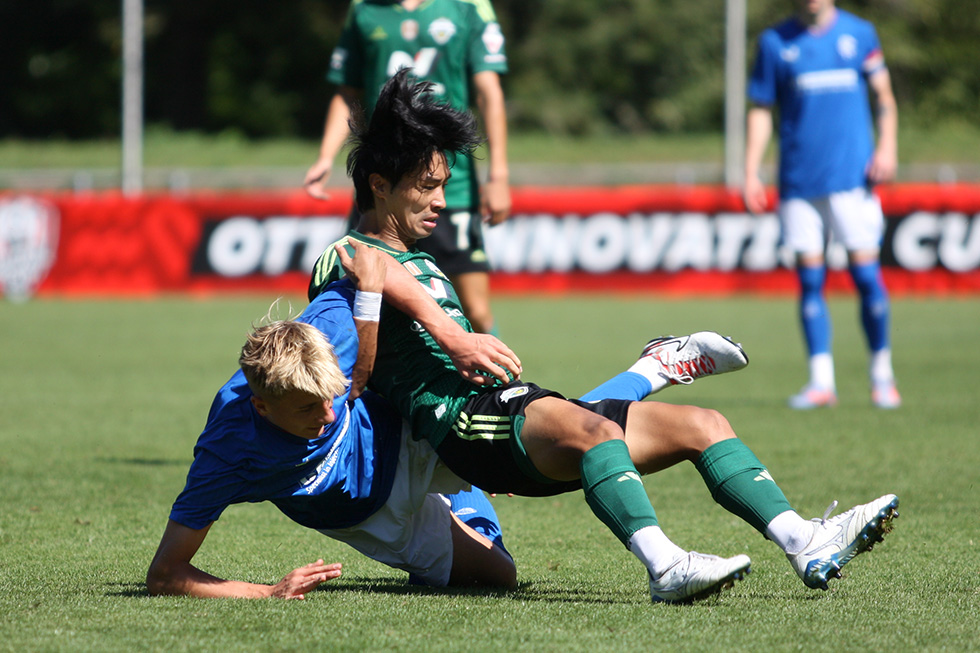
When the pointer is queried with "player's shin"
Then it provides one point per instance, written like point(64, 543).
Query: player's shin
point(741, 484)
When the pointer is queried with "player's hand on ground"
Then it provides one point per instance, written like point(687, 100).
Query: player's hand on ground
point(481, 358)
point(305, 579)
point(495, 202)
point(755, 195)
point(366, 268)
point(316, 179)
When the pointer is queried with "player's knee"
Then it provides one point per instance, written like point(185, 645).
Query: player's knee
point(708, 427)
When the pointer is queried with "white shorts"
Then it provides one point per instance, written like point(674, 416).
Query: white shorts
point(852, 218)
point(411, 531)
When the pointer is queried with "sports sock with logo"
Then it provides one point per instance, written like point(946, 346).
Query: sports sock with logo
point(614, 490)
point(625, 385)
point(874, 303)
point(814, 316)
point(741, 484)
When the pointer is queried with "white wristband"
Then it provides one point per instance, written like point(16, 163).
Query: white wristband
point(367, 306)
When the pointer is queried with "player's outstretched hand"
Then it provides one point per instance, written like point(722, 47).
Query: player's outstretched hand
point(305, 579)
point(480, 358)
point(367, 268)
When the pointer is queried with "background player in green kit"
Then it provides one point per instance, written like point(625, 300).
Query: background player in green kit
point(523, 439)
point(457, 45)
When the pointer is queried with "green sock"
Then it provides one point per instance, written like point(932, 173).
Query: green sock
point(741, 484)
point(614, 489)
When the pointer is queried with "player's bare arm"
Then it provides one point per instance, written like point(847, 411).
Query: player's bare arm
point(495, 200)
point(367, 270)
point(172, 574)
point(335, 131)
point(758, 133)
point(884, 161)
point(479, 357)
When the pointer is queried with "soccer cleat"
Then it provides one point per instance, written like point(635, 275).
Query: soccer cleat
point(810, 397)
point(837, 540)
point(697, 575)
point(684, 359)
point(885, 396)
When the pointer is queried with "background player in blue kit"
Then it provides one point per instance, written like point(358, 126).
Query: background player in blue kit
point(817, 67)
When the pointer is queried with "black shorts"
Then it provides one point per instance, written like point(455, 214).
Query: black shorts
point(484, 446)
point(456, 243)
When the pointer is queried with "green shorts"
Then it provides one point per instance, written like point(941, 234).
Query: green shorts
point(484, 446)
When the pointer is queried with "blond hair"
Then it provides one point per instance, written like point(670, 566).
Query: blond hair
point(286, 355)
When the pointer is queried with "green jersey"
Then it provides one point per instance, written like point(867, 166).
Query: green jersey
point(445, 42)
point(410, 370)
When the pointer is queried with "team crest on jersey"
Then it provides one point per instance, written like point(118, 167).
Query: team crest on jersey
point(510, 393)
point(790, 54)
point(441, 30)
point(435, 269)
point(493, 38)
point(28, 243)
point(847, 46)
point(410, 30)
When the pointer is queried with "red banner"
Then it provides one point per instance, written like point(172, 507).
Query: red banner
point(666, 239)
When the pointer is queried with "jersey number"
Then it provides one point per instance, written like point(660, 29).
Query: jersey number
point(461, 221)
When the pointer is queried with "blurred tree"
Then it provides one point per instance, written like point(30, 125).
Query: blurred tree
point(577, 66)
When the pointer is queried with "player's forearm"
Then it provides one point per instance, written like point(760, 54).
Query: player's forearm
point(367, 351)
point(758, 133)
point(887, 124)
point(336, 126)
point(490, 102)
point(187, 580)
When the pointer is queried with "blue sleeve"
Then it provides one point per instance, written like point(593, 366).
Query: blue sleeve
point(332, 313)
point(762, 82)
point(208, 491)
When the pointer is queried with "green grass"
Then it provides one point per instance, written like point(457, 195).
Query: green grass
point(163, 148)
point(101, 401)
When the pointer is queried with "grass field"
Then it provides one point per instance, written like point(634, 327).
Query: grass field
point(101, 402)
point(947, 143)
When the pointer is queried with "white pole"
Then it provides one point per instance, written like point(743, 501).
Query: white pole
point(734, 93)
point(132, 109)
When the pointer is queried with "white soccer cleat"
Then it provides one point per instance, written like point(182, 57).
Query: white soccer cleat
point(811, 397)
point(683, 359)
point(697, 575)
point(886, 396)
point(837, 540)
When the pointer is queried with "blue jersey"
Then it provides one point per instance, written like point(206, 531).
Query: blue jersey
point(819, 81)
point(334, 481)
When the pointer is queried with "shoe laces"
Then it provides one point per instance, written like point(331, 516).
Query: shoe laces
point(826, 513)
point(676, 367)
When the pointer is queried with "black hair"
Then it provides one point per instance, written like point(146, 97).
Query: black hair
point(407, 128)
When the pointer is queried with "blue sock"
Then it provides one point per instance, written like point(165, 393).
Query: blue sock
point(625, 385)
point(874, 304)
point(475, 510)
point(814, 315)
